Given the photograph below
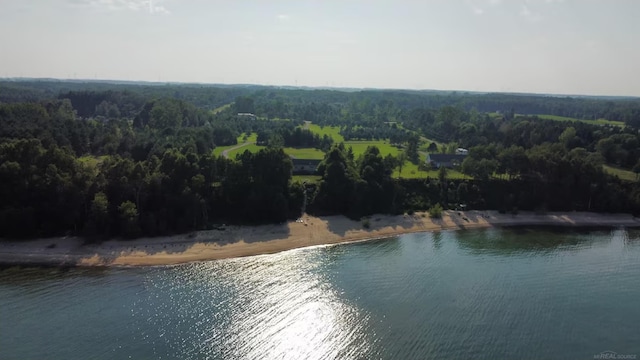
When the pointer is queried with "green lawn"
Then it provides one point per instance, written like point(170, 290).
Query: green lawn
point(592, 122)
point(221, 108)
point(312, 179)
point(411, 171)
point(332, 131)
point(251, 138)
point(359, 147)
point(621, 173)
point(305, 153)
point(253, 148)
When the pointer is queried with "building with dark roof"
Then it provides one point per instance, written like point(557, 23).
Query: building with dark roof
point(446, 160)
point(305, 166)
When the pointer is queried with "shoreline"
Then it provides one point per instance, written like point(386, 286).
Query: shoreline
point(240, 241)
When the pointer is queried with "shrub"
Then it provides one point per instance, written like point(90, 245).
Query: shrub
point(366, 223)
point(435, 211)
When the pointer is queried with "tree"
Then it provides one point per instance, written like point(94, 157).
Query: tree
point(244, 104)
point(513, 161)
point(636, 169)
point(336, 192)
point(412, 149)
point(128, 219)
point(99, 222)
point(276, 141)
point(442, 174)
point(435, 212)
point(400, 160)
point(568, 137)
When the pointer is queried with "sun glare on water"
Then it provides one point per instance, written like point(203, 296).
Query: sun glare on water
point(276, 307)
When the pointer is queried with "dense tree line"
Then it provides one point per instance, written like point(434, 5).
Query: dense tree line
point(105, 160)
point(290, 136)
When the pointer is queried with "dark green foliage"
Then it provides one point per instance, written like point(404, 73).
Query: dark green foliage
point(435, 211)
point(107, 160)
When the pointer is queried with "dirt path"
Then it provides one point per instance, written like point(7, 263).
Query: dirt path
point(226, 152)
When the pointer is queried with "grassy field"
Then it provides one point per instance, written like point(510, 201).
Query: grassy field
point(409, 170)
point(359, 147)
point(621, 173)
point(592, 122)
point(221, 108)
point(305, 153)
point(311, 179)
point(253, 148)
point(250, 138)
point(332, 131)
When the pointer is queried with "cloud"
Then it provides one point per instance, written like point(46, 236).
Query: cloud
point(495, 2)
point(477, 10)
point(283, 17)
point(150, 6)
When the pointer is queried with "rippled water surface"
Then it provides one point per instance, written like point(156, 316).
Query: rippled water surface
point(481, 294)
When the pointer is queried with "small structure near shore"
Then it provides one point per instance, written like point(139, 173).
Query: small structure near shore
point(305, 166)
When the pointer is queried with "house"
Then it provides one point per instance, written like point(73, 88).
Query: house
point(305, 166)
point(446, 160)
point(247, 115)
point(461, 151)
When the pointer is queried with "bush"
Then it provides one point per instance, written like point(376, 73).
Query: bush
point(366, 223)
point(435, 211)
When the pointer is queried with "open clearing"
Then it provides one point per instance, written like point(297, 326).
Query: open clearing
point(600, 122)
point(221, 108)
point(621, 173)
point(332, 131)
point(409, 170)
point(305, 153)
point(241, 140)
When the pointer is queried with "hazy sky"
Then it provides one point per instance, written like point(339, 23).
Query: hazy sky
point(546, 46)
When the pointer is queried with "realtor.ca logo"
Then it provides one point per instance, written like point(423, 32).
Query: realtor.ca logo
point(612, 355)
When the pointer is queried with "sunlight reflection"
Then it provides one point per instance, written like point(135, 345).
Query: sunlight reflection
point(288, 310)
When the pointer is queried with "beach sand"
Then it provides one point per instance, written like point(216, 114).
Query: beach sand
point(237, 241)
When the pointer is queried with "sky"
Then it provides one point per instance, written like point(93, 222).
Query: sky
point(582, 47)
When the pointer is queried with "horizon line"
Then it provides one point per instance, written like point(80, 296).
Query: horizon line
point(333, 88)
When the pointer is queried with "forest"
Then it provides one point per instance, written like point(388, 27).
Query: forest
point(103, 160)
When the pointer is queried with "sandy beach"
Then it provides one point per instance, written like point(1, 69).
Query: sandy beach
point(237, 241)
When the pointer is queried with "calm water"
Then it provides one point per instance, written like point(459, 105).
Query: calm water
point(481, 294)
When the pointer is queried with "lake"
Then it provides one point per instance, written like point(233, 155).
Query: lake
point(514, 293)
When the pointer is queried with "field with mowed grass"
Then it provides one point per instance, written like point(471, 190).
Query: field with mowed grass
point(592, 122)
point(309, 179)
point(332, 131)
point(621, 173)
point(304, 153)
point(409, 170)
point(359, 147)
point(252, 148)
point(250, 138)
point(221, 108)
point(412, 171)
